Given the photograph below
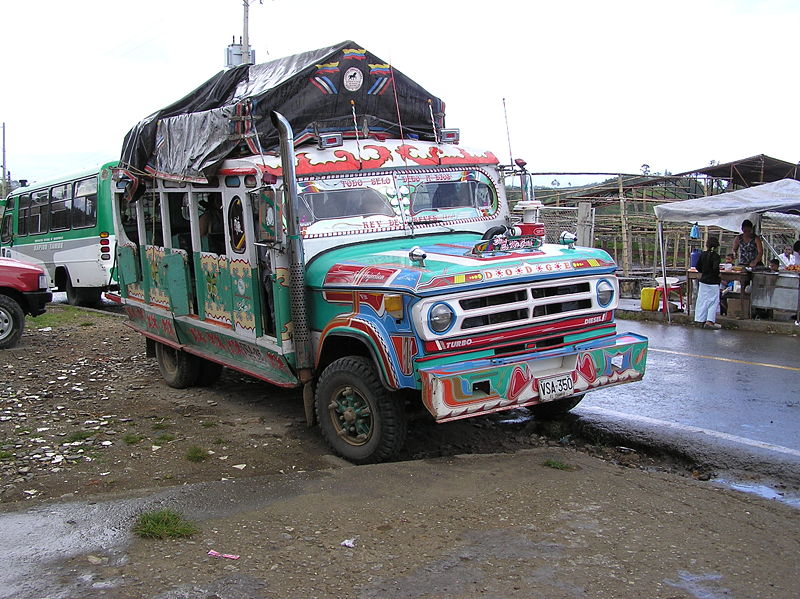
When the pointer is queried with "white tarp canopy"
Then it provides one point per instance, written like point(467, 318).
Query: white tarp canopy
point(728, 210)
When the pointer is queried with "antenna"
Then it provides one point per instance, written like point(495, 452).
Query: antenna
point(355, 128)
point(433, 121)
point(508, 134)
point(396, 102)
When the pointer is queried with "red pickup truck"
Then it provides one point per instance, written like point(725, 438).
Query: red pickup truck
point(23, 290)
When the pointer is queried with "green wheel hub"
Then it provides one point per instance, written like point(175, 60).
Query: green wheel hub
point(351, 416)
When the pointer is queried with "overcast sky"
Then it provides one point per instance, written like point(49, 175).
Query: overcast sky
point(590, 86)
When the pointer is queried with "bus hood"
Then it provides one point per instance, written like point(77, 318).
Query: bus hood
point(449, 265)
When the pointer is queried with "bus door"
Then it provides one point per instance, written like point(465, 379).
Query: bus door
point(273, 265)
point(176, 270)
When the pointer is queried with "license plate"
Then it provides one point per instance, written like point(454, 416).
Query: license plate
point(555, 387)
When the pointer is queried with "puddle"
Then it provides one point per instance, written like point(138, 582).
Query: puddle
point(520, 416)
point(764, 491)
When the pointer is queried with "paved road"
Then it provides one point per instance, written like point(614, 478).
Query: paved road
point(737, 388)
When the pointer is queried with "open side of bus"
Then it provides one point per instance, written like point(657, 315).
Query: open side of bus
point(195, 279)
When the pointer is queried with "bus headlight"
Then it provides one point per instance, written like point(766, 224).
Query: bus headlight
point(440, 318)
point(605, 293)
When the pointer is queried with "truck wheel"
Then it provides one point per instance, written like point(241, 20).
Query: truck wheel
point(83, 296)
point(556, 408)
point(358, 417)
point(12, 321)
point(209, 372)
point(179, 369)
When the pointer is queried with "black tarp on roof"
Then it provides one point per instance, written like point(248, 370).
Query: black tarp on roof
point(313, 90)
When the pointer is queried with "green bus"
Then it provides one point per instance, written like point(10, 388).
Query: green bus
point(65, 226)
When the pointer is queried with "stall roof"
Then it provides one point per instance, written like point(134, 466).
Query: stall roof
point(728, 210)
point(747, 172)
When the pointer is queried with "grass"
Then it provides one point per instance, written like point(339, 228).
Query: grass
point(131, 438)
point(220, 441)
point(196, 454)
point(208, 424)
point(80, 436)
point(161, 425)
point(163, 524)
point(59, 316)
point(4, 455)
point(557, 465)
point(165, 438)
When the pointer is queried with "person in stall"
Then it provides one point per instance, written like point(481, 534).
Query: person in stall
point(774, 265)
point(786, 256)
point(748, 246)
point(705, 310)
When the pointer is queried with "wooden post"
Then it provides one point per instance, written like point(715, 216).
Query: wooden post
point(675, 250)
point(626, 242)
point(584, 227)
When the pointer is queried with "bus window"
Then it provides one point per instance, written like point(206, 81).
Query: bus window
point(212, 229)
point(236, 232)
point(152, 219)
point(179, 228)
point(84, 204)
point(61, 208)
point(127, 216)
point(38, 221)
point(22, 214)
point(5, 232)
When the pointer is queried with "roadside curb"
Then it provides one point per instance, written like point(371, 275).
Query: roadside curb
point(754, 326)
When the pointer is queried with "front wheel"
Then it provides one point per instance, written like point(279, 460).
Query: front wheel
point(556, 408)
point(358, 417)
point(12, 321)
point(179, 369)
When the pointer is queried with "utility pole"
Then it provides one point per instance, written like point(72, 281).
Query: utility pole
point(3, 190)
point(246, 33)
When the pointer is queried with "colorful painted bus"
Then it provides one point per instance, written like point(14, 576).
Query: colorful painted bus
point(369, 275)
point(66, 227)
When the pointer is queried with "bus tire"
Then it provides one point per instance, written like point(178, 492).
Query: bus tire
point(359, 419)
point(551, 410)
point(179, 369)
point(209, 372)
point(83, 296)
point(12, 321)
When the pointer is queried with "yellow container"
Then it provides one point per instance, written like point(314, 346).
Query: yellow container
point(650, 298)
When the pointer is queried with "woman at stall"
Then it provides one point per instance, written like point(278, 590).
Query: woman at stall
point(748, 246)
point(705, 310)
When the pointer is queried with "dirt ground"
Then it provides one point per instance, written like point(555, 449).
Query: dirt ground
point(84, 411)
point(85, 416)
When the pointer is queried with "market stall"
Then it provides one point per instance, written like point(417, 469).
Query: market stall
point(728, 210)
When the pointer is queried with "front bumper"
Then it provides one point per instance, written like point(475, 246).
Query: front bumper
point(36, 301)
point(492, 384)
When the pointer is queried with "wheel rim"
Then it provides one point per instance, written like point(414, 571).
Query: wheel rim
point(6, 324)
point(351, 415)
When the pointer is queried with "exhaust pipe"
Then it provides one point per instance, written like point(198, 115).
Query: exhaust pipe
point(297, 281)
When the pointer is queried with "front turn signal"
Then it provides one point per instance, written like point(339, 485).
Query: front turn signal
point(394, 305)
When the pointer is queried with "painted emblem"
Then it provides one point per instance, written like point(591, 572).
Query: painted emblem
point(353, 79)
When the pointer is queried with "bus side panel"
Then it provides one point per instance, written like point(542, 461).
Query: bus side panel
point(214, 288)
point(130, 271)
point(246, 311)
point(153, 323)
point(158, 292)
point(226, 347)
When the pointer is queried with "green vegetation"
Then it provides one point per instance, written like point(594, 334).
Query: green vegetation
point(220, 441)
point(163, 524)
point(131, 438)
point(557, 465)
point(80, 436)
point(165, 438)
point(60, 316)
point(161, 425)
point(207, 424)
point(5, 455)
point(196, 454)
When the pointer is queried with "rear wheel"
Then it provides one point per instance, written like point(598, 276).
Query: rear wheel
point(358, 417)
point(555, 408)
point(12, 321)
point(83, 296)
point(179, 369)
